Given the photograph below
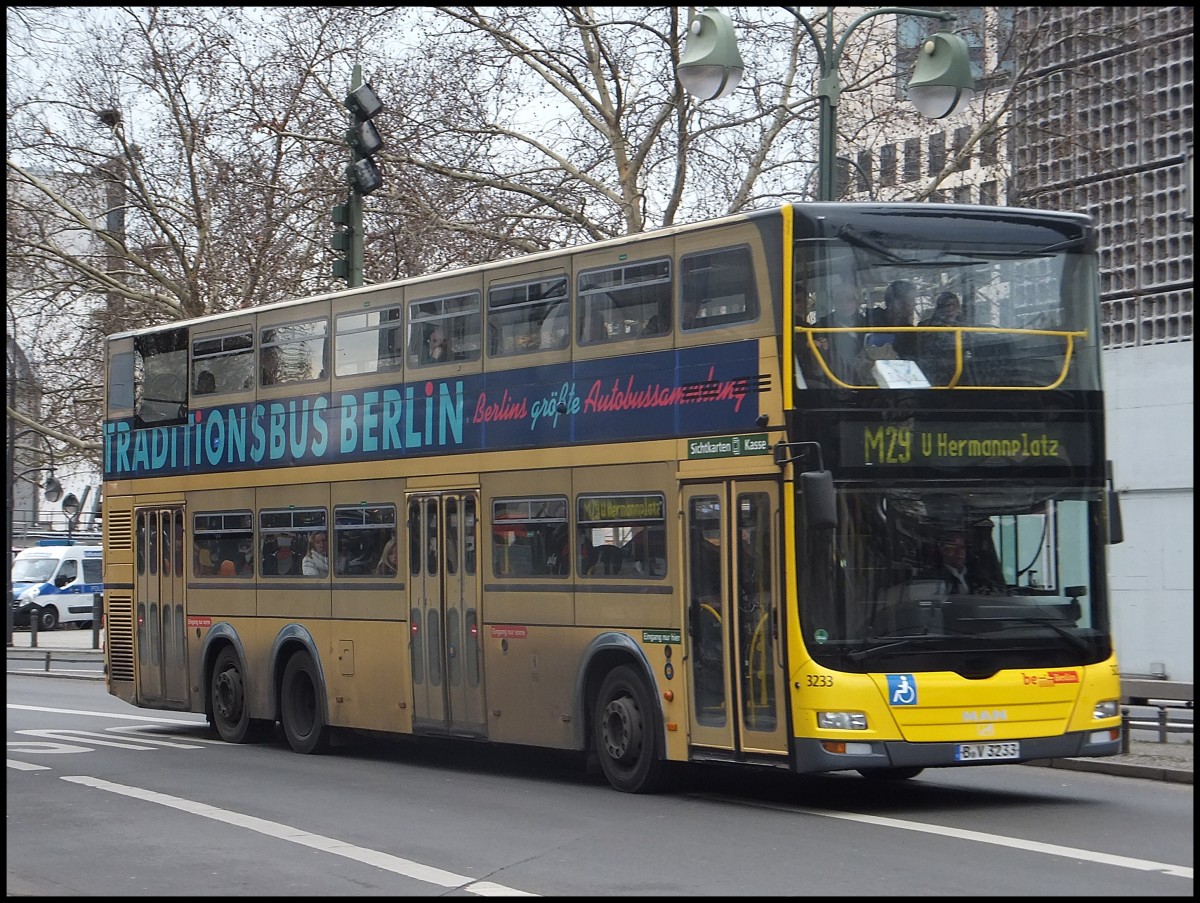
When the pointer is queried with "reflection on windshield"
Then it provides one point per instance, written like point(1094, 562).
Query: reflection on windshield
point(33, 570)
point(954, 579)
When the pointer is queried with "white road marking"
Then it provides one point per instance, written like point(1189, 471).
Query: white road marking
point(39, 708)
point(26, 766)
point(1033, 846)
point(385, 861)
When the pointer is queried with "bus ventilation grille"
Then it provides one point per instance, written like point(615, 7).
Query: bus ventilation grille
point(119, 636)
point(118, 531)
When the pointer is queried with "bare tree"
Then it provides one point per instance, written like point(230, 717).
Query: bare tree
point(170, 162)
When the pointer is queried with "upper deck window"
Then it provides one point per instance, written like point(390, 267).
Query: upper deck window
point(294, 352)
point(368, 341)
point(717, 288)
point(528, 316)
point(624, 302)
point(443, 329)
point(223, 363)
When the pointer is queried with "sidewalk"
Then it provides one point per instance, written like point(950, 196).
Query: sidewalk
point(1172, 761)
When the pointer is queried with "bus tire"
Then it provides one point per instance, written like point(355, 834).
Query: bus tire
point(625, 733)
point(891, 774)
point(302, 714)
point(230, 713)
point(48, 618)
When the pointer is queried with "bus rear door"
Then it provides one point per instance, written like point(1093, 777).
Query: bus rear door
point(161, 628)
point(732, 581)
point(444, 646)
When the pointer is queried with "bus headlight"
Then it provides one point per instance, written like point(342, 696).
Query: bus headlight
point(1106, 708)
point(842, 721)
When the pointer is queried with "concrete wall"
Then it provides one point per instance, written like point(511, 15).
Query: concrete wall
point(1149, 407)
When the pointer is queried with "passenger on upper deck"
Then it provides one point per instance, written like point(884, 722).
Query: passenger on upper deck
point(899, 307)
point(935, 350)
point(439, 348)
point(840, 350)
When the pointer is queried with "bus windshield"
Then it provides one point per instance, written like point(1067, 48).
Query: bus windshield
point(956, 580)
point(972, 312)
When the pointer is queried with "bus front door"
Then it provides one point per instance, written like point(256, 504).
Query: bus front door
point(447, 675)
point(161, 629)
point(735, 672)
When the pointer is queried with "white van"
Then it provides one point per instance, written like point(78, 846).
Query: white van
point(62, 577)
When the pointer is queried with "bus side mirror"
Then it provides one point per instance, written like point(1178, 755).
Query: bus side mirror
point(1116, 533)
point(820, 501)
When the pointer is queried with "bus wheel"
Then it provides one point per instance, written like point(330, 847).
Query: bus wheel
point(625, 734)
point(227, 699)
point(890, 774)
point(303, 715)
point(48, 618)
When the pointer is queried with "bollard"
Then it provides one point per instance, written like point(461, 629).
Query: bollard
point(1162, 724)
point(97, 616)
point(35, 615)
point(1124, 730)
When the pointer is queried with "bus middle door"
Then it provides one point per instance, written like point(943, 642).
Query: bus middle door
point(161, 629)
point(738, 691)
point(444, 615)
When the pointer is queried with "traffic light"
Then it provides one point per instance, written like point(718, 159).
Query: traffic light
point(363, 177)
point(364, 140)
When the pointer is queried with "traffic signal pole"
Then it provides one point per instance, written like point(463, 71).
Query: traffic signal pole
point(363, 177)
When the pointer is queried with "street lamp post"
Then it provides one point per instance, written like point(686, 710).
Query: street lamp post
point(711, 67)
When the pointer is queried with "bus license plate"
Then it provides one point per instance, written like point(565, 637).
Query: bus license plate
point(976, 752)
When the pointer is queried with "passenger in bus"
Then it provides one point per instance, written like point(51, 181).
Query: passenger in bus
point(316, 562)
point(439, 348)
point(935, 351)
point(899, 308)
point(206, 383)
point(840, 350)
point(228, 569)
point(388, 560)
point(202, 559)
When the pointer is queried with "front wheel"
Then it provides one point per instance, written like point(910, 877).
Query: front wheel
point(48, 618)
point(302, 709)
point(625, 733)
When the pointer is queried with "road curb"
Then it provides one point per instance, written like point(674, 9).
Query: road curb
point(1119, 769)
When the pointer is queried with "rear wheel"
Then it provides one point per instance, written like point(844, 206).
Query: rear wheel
point(230, 713)
point(301, 706)
point(625, 733)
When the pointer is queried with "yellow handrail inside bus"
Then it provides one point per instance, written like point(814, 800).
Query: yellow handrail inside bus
point(1069, 336)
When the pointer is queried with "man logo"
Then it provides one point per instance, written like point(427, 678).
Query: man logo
point(984, 715)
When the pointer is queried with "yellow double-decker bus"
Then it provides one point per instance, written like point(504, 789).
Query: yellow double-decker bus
point(751, 490)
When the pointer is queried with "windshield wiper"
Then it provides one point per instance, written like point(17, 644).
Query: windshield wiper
point(884, 643)
point(1079, 645)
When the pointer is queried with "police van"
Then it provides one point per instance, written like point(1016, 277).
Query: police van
point(63, 578)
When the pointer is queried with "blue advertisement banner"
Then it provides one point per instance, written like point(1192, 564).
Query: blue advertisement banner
point(682, 392)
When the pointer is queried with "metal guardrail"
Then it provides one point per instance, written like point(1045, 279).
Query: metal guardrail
point(1166, 696)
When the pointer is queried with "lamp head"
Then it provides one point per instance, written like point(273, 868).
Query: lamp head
point(70, 506)
point(52, 489)
point(710, 65)
point(941, 83)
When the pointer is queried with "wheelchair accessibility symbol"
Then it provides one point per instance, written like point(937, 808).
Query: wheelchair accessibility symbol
point(902, 689)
